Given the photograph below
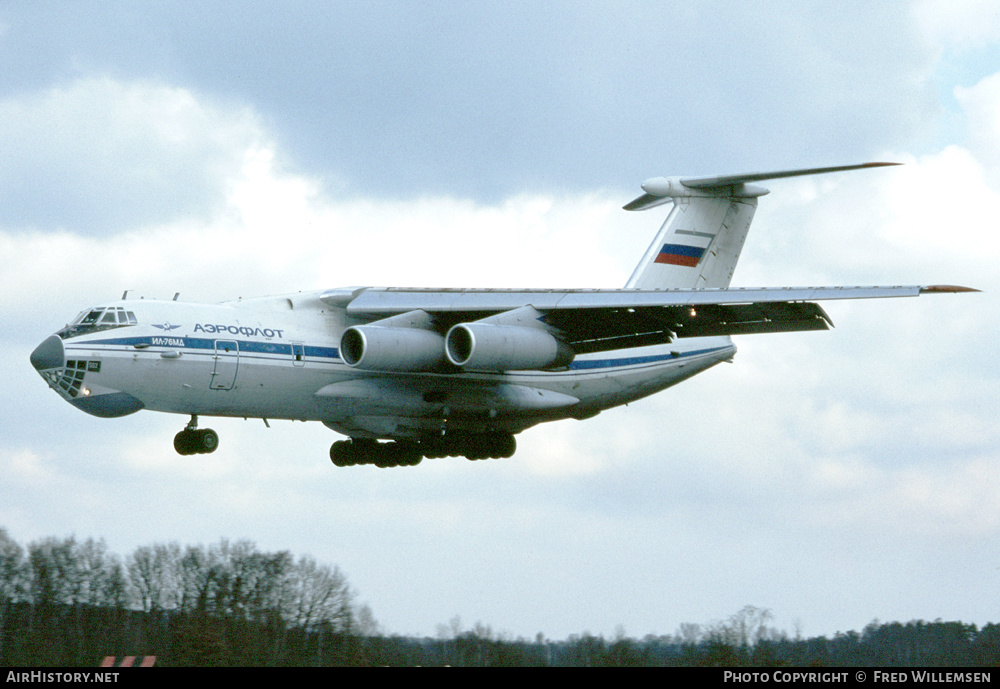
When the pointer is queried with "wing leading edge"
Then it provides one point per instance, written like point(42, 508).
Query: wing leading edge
point(601, 320)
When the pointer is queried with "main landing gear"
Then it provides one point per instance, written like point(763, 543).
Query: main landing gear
point(192, 441)
point(344, 453)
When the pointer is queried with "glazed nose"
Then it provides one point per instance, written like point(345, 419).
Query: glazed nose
point(49, 354)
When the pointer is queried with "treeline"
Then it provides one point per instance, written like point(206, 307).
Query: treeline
point(743, 640)
point(71, 603)
point(65, 602)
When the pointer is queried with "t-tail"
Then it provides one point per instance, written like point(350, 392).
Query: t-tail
point(701, 240)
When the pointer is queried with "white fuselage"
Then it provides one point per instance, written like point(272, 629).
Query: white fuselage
point(448, 372)
point(277, 358)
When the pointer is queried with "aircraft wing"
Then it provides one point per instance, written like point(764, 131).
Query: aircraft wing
point(602, 320)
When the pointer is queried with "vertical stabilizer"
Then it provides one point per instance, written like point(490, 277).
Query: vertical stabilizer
point(701, 240)
point(698, 245)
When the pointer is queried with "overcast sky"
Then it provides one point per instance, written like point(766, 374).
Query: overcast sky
point(226, 149)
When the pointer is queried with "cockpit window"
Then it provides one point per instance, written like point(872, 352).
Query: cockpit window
point(94, 320)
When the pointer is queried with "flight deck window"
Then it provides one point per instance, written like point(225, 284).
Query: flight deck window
point(99, 319)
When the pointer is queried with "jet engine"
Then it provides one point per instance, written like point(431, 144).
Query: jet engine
point(487, 347)
point(400, 343)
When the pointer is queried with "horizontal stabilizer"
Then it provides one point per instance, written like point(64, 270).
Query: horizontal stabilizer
point(660, 190)
point(731, 180)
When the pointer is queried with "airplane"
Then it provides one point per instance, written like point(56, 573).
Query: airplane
point(414, 373)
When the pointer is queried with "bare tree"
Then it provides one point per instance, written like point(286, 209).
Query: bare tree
point(154, 573)
point(195, 580)
point(316, 594)
point(13, 585)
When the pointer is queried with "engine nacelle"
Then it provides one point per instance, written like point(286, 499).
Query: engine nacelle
point(381, 348)
point(488, 347)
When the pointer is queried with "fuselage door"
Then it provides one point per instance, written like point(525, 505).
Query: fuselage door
point(227, 361)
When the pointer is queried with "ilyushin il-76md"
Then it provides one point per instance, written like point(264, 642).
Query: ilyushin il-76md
point(409, 373)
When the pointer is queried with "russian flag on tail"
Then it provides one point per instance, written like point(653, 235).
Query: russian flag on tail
point(680, 255)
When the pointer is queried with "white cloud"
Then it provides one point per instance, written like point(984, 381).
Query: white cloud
point(101, 156)
point(270, 231)
point(959, 23)
point(27, 467)
point(981, 106)
point(880, 430)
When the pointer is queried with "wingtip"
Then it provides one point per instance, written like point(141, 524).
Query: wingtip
point(946, 289)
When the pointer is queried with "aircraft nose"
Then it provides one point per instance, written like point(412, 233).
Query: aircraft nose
point(49, 354)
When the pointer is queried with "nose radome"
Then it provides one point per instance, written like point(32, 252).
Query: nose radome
point(49, 354)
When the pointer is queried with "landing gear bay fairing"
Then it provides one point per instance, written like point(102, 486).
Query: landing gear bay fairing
point(412, 373)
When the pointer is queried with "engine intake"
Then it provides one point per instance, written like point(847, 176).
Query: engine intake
point(381, 348)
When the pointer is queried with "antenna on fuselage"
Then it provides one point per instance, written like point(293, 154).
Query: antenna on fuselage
point(125, 294)
point(176, 294)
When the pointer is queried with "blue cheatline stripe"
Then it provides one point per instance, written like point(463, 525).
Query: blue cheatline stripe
point(317, 352)
point(246, 346)
point(633, 360)
point(322, 352)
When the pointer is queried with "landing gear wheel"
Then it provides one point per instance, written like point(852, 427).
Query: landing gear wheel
point(340, 453)
point(184, 442)
point(408, 454)
point(208, 441)
point(473, 446)
point(194, 442)
point(345, 453)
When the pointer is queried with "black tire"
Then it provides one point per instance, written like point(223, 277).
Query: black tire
point(208, 441)
point(364, 450)
point(182, 443)
point(408, 454)
point(340, 453)
point(505, 446)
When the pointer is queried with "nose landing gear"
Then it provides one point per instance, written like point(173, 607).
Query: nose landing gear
point(192, 441)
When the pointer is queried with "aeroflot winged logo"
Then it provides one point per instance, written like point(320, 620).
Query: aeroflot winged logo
point(166, 326)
